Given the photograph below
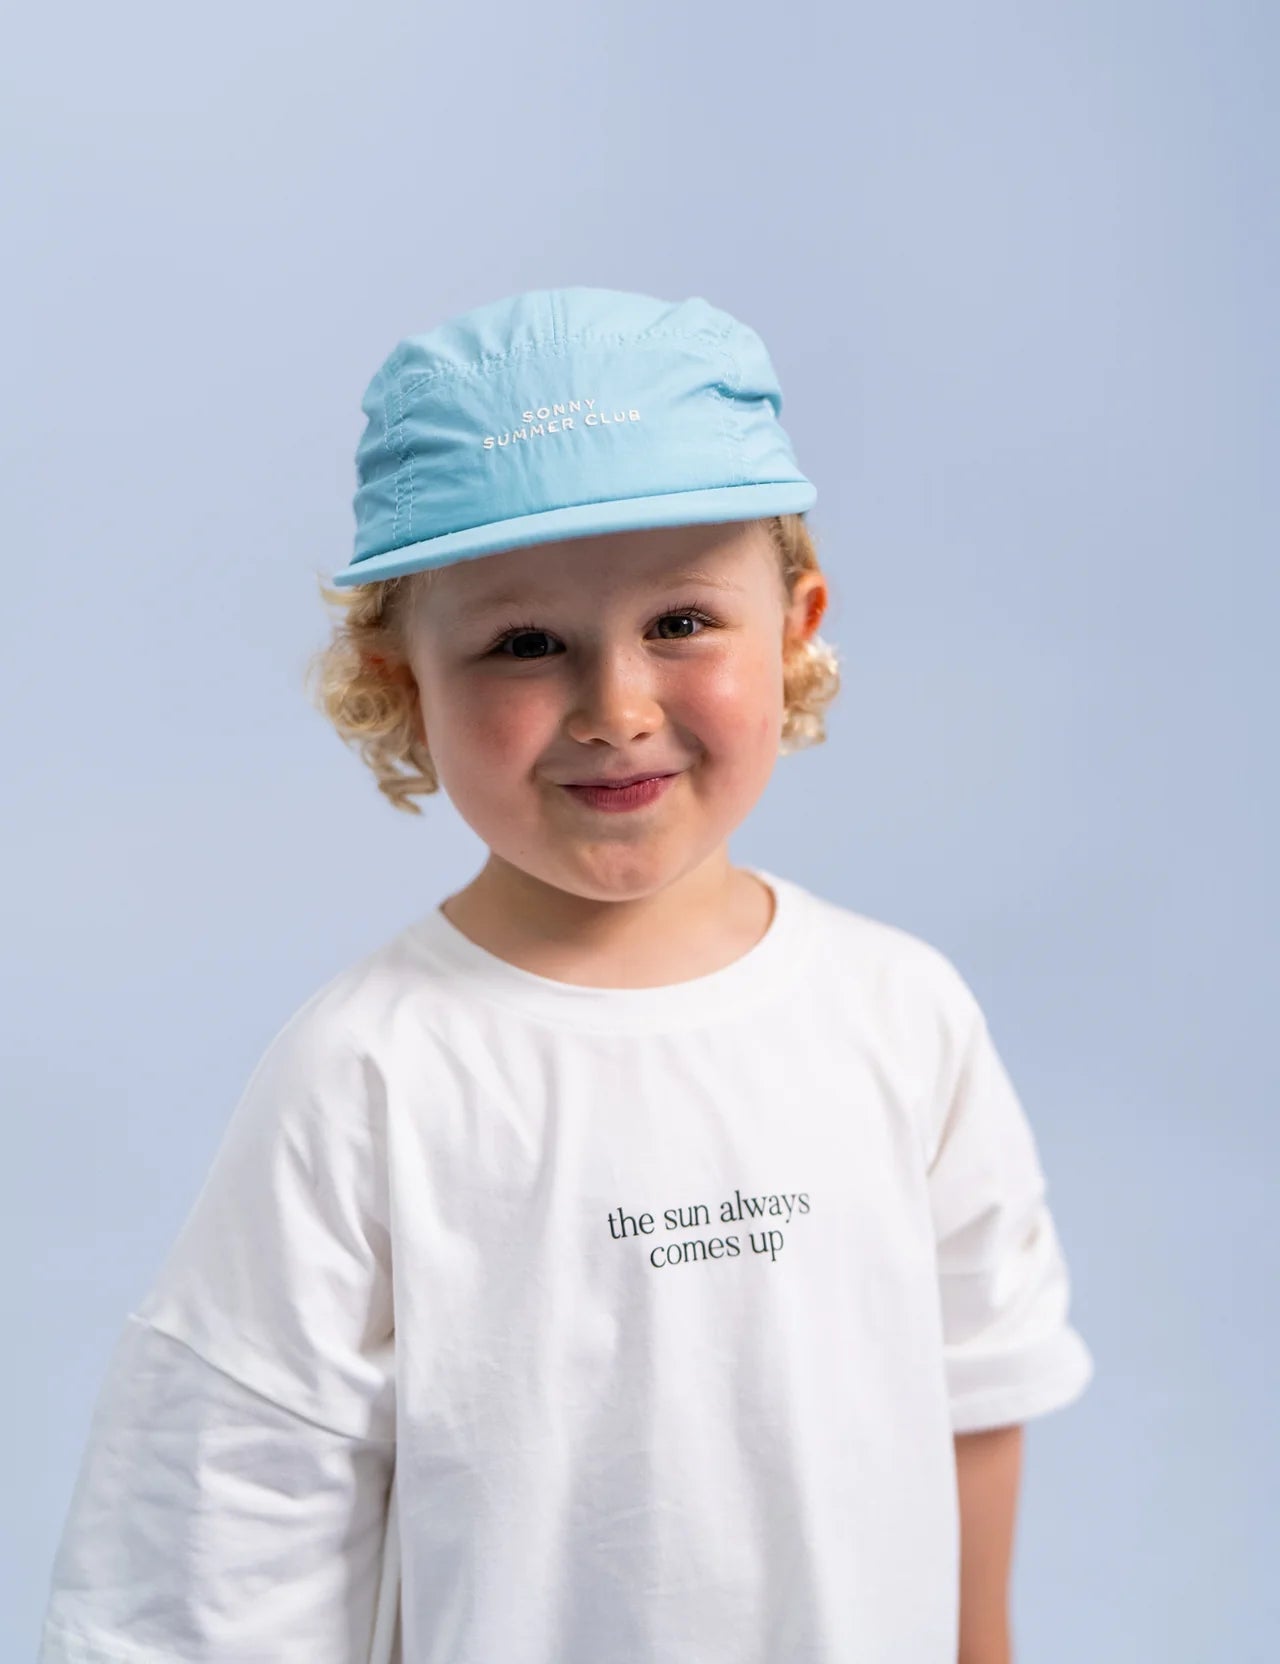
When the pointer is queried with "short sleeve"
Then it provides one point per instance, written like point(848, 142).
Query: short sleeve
point(1010, 1349)
point(232, 1501)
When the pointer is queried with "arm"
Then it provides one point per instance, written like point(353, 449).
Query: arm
point(988, 1469)
point(233, 1500)
point(1010, 1351)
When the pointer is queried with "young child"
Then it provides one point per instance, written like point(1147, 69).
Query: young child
point(610, 1267)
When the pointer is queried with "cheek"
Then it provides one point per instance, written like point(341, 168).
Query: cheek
point(740, 696)
point(487, 722)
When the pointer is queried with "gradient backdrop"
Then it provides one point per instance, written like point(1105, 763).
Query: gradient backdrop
point(1017, 268)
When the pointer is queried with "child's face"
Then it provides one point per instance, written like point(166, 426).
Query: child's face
point(613, 678)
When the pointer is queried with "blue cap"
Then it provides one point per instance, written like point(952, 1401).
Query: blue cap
point(563, 413)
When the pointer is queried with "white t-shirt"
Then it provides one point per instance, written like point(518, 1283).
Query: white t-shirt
point(520, 1322)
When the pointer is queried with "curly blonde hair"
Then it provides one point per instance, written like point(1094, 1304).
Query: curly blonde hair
point(361, 680)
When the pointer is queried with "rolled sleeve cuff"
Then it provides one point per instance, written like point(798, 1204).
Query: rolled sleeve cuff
point(995, 1389)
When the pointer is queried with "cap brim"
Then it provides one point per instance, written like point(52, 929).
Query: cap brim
point(676, 508)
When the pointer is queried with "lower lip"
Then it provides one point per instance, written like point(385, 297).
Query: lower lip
point(622, 797)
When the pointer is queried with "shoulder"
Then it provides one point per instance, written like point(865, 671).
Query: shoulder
point(900, 998)
point(335, 1050)
point(894, 968)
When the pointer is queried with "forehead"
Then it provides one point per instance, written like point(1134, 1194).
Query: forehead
point(721, 557)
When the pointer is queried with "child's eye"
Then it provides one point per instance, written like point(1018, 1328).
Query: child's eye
point(517, 632)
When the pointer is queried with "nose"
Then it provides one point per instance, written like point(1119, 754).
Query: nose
point(615, 697)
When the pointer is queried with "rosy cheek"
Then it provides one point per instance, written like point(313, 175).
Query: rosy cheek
point(736, 693)
point(722, 688)
point(498, 725)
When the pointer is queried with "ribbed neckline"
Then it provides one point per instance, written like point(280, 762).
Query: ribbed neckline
point(745, 982)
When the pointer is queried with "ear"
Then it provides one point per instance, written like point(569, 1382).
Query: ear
point(807, 608)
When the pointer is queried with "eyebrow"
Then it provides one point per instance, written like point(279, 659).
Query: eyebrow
point(490, 603)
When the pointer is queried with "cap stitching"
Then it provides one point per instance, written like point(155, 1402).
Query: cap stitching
point(401, 448)
point(657, 331)
point(411, 385)
point(732, 431)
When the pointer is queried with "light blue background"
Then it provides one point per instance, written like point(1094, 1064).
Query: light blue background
point(1016, 266)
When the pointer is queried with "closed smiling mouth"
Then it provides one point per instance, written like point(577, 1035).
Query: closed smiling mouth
point(624, 780)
